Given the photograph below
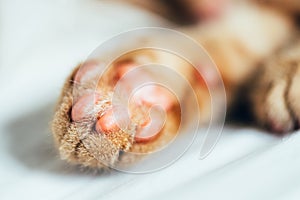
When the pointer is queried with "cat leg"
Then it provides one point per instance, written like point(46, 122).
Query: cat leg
point(275, 91)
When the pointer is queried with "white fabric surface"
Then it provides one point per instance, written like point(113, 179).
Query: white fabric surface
point(40, 43)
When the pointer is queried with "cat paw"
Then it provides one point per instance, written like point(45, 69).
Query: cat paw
point(116, 106)
point(275, 94)
point(105, 110)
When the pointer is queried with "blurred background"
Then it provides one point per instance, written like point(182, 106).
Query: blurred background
point(40, 42)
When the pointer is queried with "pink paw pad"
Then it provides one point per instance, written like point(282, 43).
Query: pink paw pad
point(114, 118)
point(84, 106)
point(87, 71)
